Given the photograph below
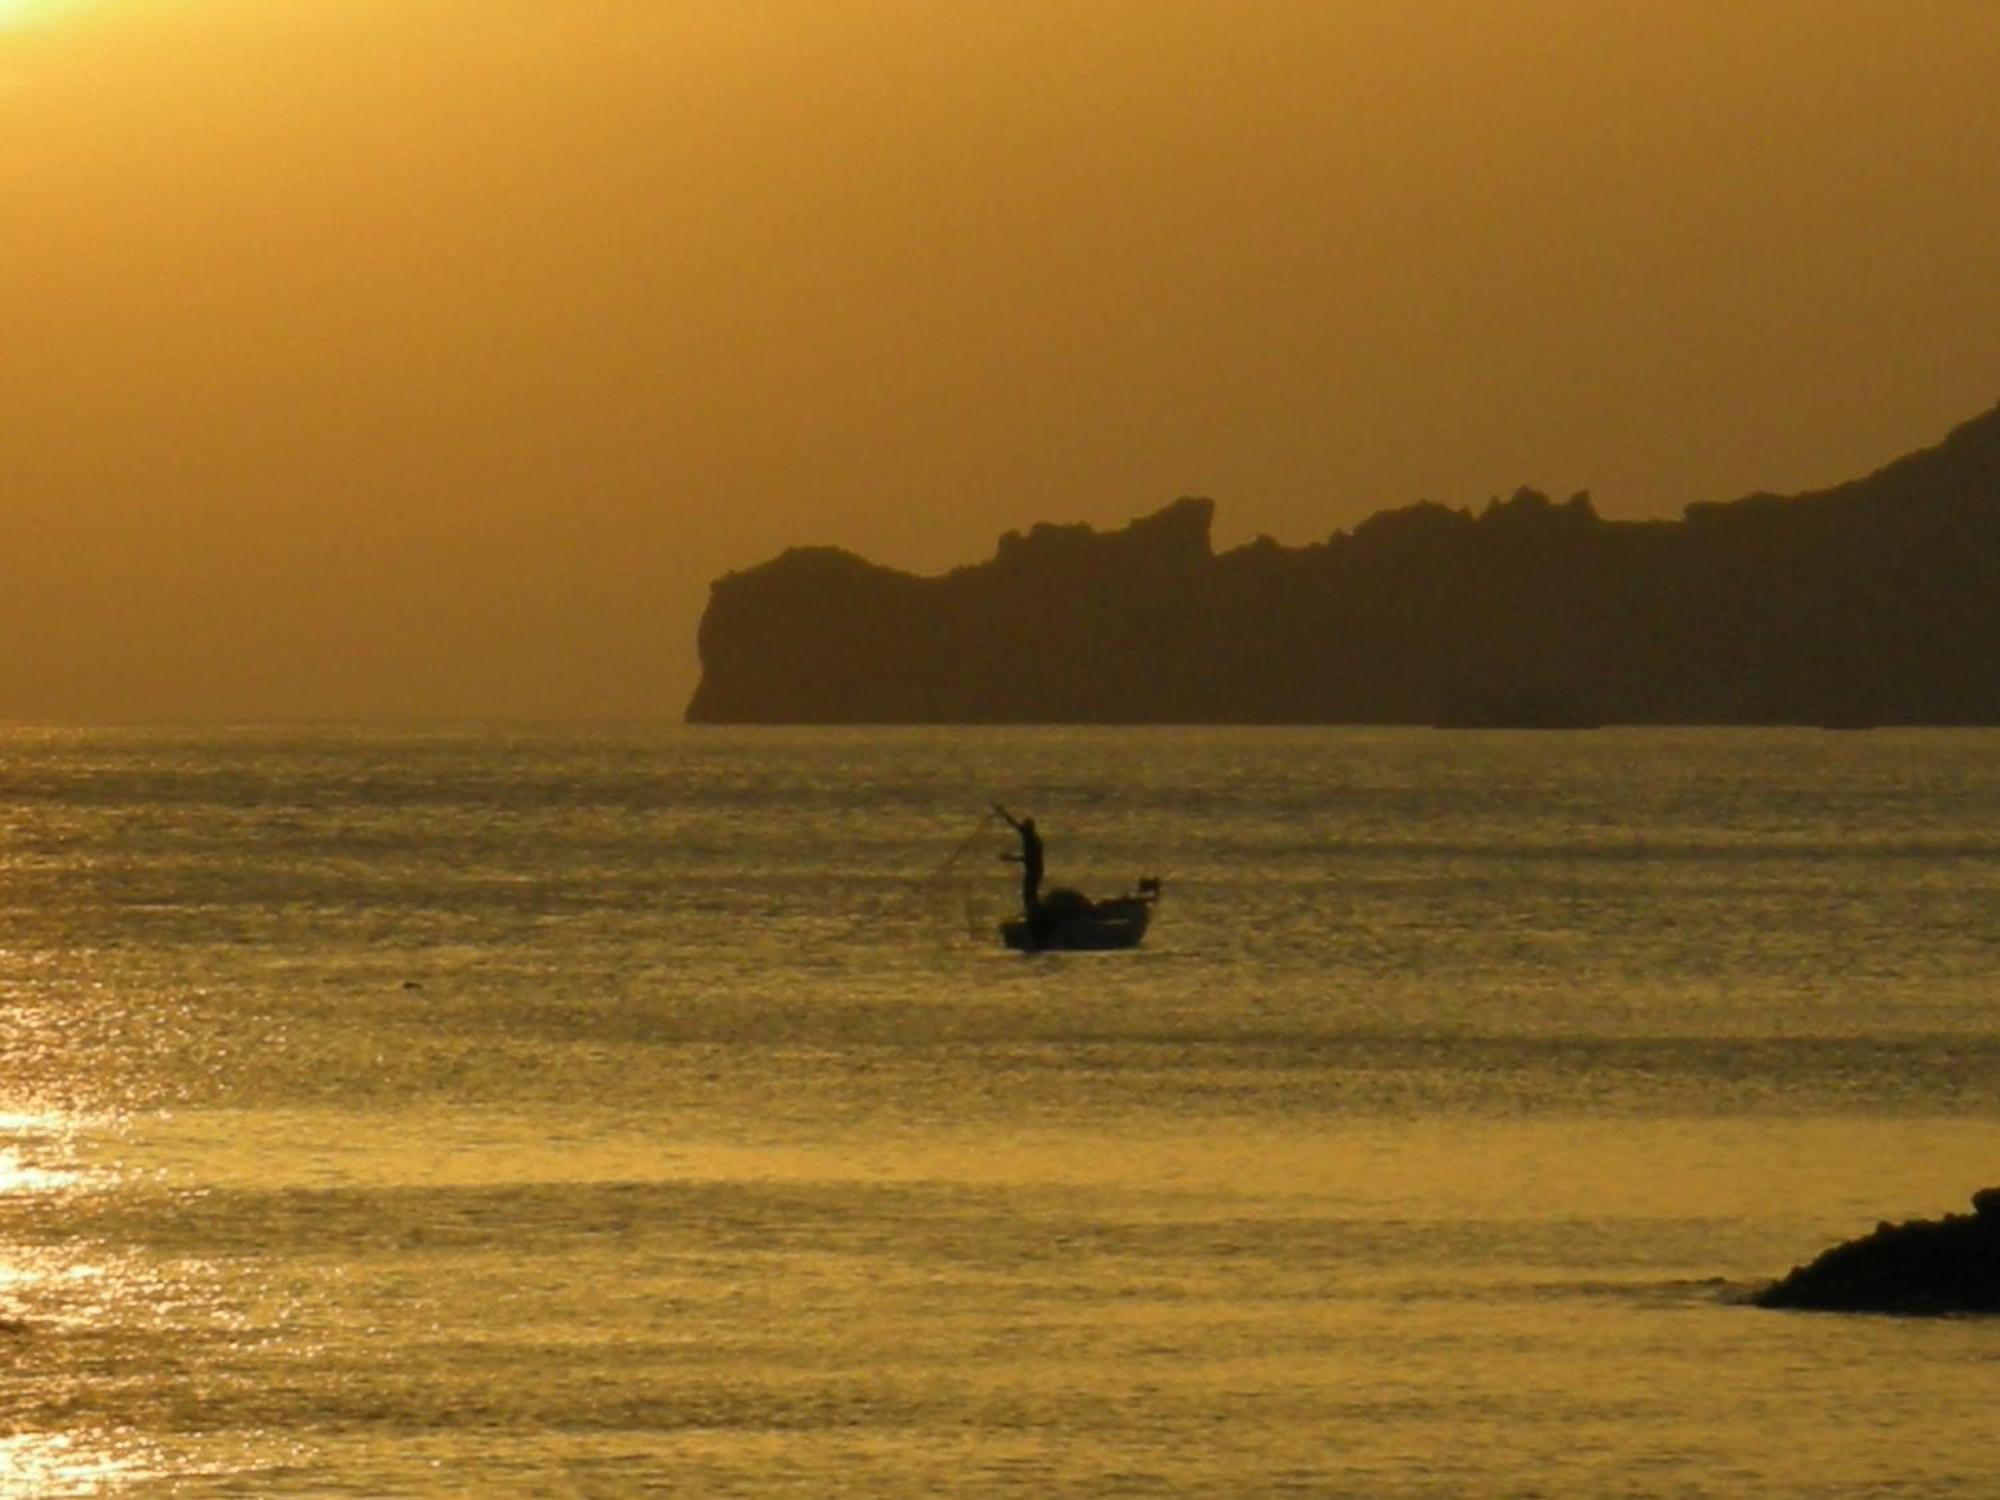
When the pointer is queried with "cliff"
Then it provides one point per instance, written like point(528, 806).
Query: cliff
point(1876, 602)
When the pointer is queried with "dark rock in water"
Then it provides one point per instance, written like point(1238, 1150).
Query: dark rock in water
point(1924, 1267)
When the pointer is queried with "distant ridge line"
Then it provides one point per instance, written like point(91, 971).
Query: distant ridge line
point(1872, 602)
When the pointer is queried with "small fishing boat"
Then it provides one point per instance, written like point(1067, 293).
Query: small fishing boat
point(1072, 921)
point(1068, 919)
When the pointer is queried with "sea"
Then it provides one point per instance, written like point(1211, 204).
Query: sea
point(654, 1110)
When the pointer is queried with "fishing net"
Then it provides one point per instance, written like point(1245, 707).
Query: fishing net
point(970, 890)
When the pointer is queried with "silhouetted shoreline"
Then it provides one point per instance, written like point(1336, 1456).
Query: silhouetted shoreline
point(1872, 603)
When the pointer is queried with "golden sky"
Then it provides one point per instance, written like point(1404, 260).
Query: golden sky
point(427, 358)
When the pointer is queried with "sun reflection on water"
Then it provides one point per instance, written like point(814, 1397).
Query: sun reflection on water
point(38, 1154)
point(18, 1176)
point(53, 1463)
point(52, 1298)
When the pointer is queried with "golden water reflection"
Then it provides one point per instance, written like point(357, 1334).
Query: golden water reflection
point(37, 1159)
point(19, 1175)
point(56, 1298)
point(56, 1463)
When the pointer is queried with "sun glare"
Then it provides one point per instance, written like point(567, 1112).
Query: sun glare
point(18, 15)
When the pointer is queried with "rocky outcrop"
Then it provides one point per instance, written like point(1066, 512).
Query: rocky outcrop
point(1876, 602)
point(1926, 1266)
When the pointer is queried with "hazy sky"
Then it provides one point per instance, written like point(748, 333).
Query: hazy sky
point(429, 357)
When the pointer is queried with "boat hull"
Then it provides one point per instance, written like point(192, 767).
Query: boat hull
point(1107, 925)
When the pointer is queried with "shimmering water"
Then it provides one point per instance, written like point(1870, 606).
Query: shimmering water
point(394, 1113)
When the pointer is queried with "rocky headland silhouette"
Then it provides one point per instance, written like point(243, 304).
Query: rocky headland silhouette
point(1922, 1267)
point(1875, 602)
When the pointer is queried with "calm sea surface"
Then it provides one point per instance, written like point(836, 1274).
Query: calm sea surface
point(392, 1113)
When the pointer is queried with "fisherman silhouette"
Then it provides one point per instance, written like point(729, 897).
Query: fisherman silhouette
point(1041, 921)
